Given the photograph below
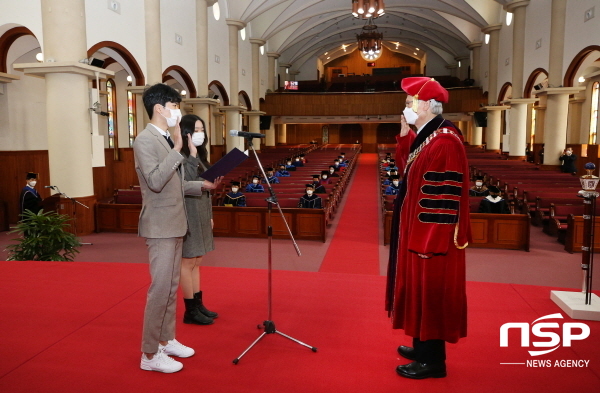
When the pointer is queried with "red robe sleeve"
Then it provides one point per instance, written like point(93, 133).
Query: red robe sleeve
point(403, 149)
point(439, 198)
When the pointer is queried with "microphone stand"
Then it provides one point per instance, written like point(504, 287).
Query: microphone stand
point(269, 325)
point(74, 210)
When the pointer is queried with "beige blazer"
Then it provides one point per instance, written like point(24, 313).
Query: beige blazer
point(163, 187)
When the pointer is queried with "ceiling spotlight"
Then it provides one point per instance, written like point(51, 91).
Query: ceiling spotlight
point(487, 39)
point(39, 57)
point(581, 79)
point(129, 78)
point(183, 92)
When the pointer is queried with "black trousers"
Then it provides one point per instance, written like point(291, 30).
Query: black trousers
point(429, 351)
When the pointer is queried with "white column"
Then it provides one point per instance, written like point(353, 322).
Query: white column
point(282, 133)
point(475, 48)
point(477, 136)
point(153, 42)
point(270, 139)
point(493, 132)
point(254, 126)
point(256, 44)
point(234, 88)
point(518, 127)
point(576, 134)
point(202, 45)
point(494, 32)
point(232, 122)
point(557, 38)
point(272, 71)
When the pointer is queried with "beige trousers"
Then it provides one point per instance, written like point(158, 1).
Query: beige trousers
point(159, 316)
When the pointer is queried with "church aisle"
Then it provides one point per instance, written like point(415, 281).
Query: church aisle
point(354, 247)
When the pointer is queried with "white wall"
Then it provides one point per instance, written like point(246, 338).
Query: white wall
point(245, 63)
point(26, 13)
point(23, 107)
point(179, 17)
point(579, 34)
point(505, 52)
point(218, 45)
point(537, 11)
point(126, 28)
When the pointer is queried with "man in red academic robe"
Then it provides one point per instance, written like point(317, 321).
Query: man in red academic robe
point(426, 293)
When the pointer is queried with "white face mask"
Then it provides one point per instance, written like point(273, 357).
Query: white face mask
point(331, 170)
point(198, 138)
point(569, 153)
point(309, 192)
point(172, 121)
point(410, 115)
point(289, 163)
point(324, 177)
point(234, 189)
point(255, 181)
point(478, 183)
point(297, 159)
point(32, 183)
point(395, 182)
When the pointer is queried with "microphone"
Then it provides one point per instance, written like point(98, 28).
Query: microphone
point(52, 187)
point(246, 134)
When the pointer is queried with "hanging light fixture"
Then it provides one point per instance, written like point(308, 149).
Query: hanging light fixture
point(366, 9)
point(369, 41)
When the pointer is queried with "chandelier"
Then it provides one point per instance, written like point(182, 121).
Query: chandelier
point(367, 8)
point(369, 42)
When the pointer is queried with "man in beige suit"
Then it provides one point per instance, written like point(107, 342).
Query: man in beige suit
point(163, 223)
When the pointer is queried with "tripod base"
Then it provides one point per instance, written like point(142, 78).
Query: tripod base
point(269, 328)
point(573, 304)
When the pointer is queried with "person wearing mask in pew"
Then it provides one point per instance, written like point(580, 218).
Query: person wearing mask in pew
point(255, 186)
point(319, 188)
point(393, 188)
point(332, 171)
point(479, 189)
point(310, 200)
point(234, 197)
point(282, 172)
point(271, 177)
point(568, 161)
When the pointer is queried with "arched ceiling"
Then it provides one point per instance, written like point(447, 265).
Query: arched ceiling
point(299, 30)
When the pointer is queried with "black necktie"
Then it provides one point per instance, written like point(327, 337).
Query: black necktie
point(169, 141)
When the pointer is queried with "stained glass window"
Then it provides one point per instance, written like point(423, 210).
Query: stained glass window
point(594, 113)
point(131, 117)
point(111, 112)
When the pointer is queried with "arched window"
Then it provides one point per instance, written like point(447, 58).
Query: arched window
point(131, 117)
point(594, 113)
point(111, 105)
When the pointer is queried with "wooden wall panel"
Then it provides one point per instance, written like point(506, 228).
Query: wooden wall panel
point(360, 104)
point(354, 63)
point(14, 168)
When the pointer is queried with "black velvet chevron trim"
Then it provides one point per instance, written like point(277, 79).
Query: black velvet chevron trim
point(438, 218)
point(445, 189)
point(444, 176)
point(439, 204)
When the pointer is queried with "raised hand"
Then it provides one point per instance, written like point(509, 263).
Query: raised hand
point(404, 127)
point(177, 139)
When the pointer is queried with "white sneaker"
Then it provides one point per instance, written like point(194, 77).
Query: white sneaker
point(160, 362)
point(175, 348)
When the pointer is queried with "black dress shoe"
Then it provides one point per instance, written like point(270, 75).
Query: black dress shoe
point(416, 370)
point(407, 352)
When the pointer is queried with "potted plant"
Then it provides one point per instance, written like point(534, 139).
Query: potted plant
point(43, 238)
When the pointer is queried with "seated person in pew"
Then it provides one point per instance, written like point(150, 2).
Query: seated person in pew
point(388, 177)
point(341, 161)
point(303, 158)
point(282, 172)
point(271, 177)
point(390, 165)
point(319, 188)
point(336, 165)
point(325, 178)
point(297, 162)
point(234, 197)
point(310, 200)
point(393, 188)
point(479, 189)
point(494, 203)
point(255, 186)
point(332, 171)
point(289, 166)
point(343, 157)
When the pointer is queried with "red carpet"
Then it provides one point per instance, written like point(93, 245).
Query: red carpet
point(76, 327)
point(355, 248)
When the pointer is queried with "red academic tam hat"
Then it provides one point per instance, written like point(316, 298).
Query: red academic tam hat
point(423, 88)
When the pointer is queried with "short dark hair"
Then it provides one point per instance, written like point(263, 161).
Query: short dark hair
point(159, 94)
